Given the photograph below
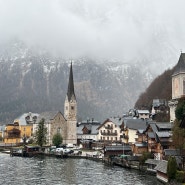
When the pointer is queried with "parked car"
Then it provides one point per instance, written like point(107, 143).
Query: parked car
point(59, 150)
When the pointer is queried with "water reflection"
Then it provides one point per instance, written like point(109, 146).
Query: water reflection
point(47, 171)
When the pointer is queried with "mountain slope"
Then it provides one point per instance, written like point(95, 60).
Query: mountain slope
point(34, 81)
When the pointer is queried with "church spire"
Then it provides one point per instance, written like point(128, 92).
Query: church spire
point(71, 92)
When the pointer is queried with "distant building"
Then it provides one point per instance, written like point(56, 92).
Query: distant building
point(87, 132)
point(143, 114)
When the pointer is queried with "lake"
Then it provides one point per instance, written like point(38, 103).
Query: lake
point(55, 171)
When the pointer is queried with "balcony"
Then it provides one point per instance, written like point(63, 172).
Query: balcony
point(108, 127)
point(109, 134)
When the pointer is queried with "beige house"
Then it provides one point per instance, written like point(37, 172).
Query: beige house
point(110, 131)
point(131, 127)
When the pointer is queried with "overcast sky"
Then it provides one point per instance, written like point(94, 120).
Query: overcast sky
point(100, 28)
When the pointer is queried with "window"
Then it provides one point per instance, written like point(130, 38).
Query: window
point(72, 108)
point(66, 107)
point(59, 130)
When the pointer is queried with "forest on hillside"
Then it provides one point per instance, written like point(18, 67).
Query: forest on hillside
point(160, 88)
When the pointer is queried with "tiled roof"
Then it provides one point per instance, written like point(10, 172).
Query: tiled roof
point(151, 135)
point(136, 124)
point(162, 166)
point(171, 152)
point(92, 127)
point(141, 144)
point(21, 119)
point(47, 116)
point(163, 126)
point(118, 147)
point(163, 134)
point(180, 67)
point(143, 111)
point(152, 161)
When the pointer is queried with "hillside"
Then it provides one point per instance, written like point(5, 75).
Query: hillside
point(35, 81)
point(160, 88)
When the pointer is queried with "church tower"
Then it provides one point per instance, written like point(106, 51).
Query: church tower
point(178, 85)
point(70, 111)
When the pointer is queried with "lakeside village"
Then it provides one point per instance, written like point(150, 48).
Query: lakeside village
point(134, 140)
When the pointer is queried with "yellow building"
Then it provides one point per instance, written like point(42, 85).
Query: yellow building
point(12, 134)
point(21, 130)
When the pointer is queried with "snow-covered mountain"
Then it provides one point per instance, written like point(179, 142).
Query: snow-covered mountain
point(34, 81)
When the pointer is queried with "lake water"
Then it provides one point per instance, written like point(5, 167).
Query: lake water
point(55, 171)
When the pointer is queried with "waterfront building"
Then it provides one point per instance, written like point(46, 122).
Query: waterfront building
point(131, 127)
point(87, 132)
point(178, 85)
point(56, 122)
point(110, 131)
point(21, 130)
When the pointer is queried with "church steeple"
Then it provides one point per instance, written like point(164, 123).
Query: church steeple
point(70, 105)
point(71, 92)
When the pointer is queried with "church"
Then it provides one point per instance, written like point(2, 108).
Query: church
point(56, 122)
point(178, 85)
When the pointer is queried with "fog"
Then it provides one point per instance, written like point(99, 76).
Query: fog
point(121, 29)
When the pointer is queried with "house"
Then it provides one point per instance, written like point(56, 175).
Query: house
point(12, 134)
point(131, 127)
point(115, 150)
point(161, 171)
point(21, 130)
point(26, 122)
point(110, 131)
point(87, 132)
point(56, 122)
point(158, 138)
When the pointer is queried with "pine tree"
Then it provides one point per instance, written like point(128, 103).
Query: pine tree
point(171, 168)
point(57, 139)
point(41, 133)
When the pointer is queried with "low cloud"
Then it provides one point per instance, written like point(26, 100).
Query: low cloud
point(121, 29)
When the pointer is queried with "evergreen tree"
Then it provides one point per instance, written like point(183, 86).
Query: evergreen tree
point(180, 109)
point(57, 139)
point(171, 168)
point(41, 133)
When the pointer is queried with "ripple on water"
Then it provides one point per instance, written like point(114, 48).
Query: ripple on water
point(47, 171)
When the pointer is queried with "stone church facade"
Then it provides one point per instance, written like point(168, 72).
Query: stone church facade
point(56, 122)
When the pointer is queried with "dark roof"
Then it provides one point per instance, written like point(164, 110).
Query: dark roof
point(117, 121)
point(91, 127)
point(164, 126)
point(152, 161)
point(144, 144)
point(180, 67)
point(163, 134)
point(47, 116)
point(71, 92)
point(151, 135)
point(118, 147)
point(162, 166)
point(171, 152)
point(136, 124)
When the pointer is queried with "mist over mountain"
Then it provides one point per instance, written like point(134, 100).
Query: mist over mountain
point(35, 81)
